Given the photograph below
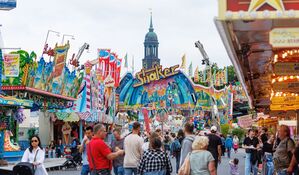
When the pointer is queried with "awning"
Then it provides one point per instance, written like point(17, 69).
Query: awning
point(73, 117)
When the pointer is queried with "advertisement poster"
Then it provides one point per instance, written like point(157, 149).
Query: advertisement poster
point(11, 65)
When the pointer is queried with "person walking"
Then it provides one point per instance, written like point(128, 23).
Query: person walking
point(215, 145)
point(223, 144)
point(118, 143)
point(99, 155)
point(155, 161)
point(35, 155)
point(283, 154)
point(59, 148)
point(187, 142)
point(83, 150)
point(234, 167)
point(201, 160)
point(268, 165)
point(236, 143)
point(293, 167)
point(251, 144)
point(175, 149)
point(133, 149)
point(228, 145)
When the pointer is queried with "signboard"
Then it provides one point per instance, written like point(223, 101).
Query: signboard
point(8, 4)
point(284, 37)
point(60, 59)
point(11, 65)
point(292, 87)
point(284, 107)
point(257, 9)
point(245, 121)
point(285, 100)
point(109, 81)
point(154, 74)
point(286, 68)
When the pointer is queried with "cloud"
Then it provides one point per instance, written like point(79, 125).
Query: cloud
point(118, 24)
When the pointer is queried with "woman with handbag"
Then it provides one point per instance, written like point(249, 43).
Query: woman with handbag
point(35, 155)
point(155, 161)
point(199, 161)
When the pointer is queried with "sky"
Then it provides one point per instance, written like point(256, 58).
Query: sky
point(120, 25)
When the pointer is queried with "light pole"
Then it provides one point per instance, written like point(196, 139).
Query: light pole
point(50, 31)
point(67, 35)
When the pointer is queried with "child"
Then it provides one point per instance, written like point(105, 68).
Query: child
point(234, 166)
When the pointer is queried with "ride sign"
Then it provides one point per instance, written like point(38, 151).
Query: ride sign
point(154, 74)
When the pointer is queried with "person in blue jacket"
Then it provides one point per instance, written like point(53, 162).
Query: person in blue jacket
point(228, 145)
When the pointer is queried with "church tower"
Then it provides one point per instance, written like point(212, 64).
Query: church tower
point(151, 45)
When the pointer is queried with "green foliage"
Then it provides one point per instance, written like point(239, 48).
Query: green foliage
point(31, 132)
point(239, 132)
point(225, 129)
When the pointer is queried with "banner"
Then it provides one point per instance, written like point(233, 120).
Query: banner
point(104, 55)
point(11, 65)
point(117, 73)
point(146, 120)
point(60, 59)
point(245, 121)
point(230, 105)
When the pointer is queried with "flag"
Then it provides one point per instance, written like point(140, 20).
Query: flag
point(104, 55)
point(196, 75)
point(190, 70)
point(117, 73)
point(183, 65)
point(112, 64)
point(126, 61)
point(146, 120)
point(133, 65)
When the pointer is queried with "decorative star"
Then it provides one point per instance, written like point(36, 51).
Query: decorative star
point(256, 4)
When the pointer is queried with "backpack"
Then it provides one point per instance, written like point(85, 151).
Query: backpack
point(175, 146)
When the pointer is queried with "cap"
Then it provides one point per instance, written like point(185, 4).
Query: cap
point(213, 128)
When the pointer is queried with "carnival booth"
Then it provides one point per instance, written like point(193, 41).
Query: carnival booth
point(262, 41)
point(40, 82)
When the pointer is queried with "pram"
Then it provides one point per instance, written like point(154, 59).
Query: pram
point(73, 159)
point(23, 168)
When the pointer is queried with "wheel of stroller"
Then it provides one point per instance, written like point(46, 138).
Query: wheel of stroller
point(63, 168)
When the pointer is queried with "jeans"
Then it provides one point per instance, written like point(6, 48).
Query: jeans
point(268, 166)
point(130, 171)
point(85, 170)
point(51, 154)
point(282, 172)
point(228, 151)
point(248, 165)
point(163, 172)
point(118, 170)
point(177, 159)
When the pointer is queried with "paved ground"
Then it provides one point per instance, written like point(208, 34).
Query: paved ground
point(223, 168)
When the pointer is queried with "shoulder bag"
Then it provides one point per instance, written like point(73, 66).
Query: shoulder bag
point(186, 167)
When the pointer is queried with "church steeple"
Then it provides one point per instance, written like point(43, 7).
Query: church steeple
point(151, 45)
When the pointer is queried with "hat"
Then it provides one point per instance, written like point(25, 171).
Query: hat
point(214, 128)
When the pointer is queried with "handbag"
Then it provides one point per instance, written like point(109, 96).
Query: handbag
point(186, 167)
point(95, 171)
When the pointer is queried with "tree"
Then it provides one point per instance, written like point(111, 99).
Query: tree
point(225, 129)
point(238, 132)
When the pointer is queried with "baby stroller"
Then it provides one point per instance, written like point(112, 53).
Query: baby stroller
point(23, 168)
point(73, 160)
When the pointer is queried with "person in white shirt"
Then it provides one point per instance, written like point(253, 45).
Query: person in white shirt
point(133, 150)
point(35, 155)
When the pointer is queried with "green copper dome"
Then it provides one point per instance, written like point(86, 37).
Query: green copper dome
point(151, 36)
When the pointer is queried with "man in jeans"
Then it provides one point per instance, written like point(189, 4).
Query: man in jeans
point(251, 144)
point(88, 136)
point(99, 154)
point(187, 142)
point(283, 154)
point(118, 143)
point(133, 149)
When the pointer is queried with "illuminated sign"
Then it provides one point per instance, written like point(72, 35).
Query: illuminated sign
point(257, 9)
point(284, 107)
point(285, 100)
point(284, 37)
point(286, 87)
point(286, 68)
point(154, 74)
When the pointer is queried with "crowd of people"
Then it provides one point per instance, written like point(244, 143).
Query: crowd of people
point(194, 154)
point(277, 154)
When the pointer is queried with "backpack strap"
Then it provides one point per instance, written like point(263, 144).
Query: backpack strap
point(35, 155)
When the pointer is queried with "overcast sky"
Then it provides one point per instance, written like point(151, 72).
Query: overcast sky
point(118, 24)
